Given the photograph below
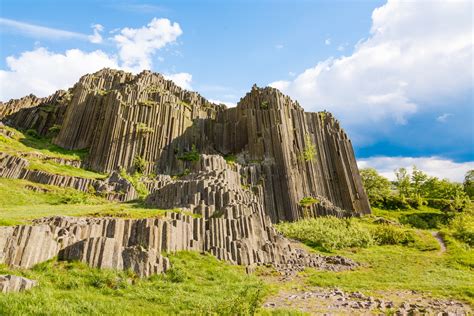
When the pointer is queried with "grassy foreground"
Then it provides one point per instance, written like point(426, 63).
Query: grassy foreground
point(396, 253)
point(393, 256)
point(196, 284)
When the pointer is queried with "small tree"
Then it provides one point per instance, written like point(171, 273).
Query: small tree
point(468, 184)
point(376, 186)
point(403, 182)
point(418, 179)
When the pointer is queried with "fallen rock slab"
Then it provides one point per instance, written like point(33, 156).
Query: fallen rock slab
point(13, 283)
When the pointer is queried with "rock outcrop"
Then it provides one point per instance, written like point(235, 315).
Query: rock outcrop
point(146, 122)
point(114, 188)
point(236, 170)
point(230, 222)
point(13, 283)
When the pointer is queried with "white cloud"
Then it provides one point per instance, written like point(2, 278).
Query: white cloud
point(279, 46)
point(38, 31)
point(280, 85)
point(137, 46)
point(42, 72)
point(182, 79)
point(417, 54)
point(96, 38)
point(228, 104)
point(327, 41)
point(443, 118)
point(433, 166)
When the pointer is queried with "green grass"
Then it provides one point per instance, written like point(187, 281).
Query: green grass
point(27, 143)
point(400, 268)
point(398, 257)
point(37, 148)
point(52, 167)
point(19, 204)
point(196, 284)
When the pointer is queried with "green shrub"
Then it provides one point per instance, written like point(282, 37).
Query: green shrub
point(328, 233)
point(192, 155)
point(463, 228)
point(264, 104)
point(424, 220)
point(308, 201)
point(177, 275)
point(33, 133)
point(139, 164)
point(309, 152)
point(54, 130)
point(395, 202)
point(416, 202)
point(230, 159)
point(391, 235)
point(136, 181)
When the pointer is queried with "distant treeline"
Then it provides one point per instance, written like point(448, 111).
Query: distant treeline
point(416, 188)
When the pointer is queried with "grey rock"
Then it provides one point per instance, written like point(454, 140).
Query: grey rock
point(13, 283)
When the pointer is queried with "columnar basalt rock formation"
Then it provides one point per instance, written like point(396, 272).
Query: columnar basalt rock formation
point(283, 151)
point(114, 188)
point(137, 244)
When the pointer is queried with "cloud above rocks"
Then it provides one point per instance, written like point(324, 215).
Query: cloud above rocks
point(41, 71)
point(417, 54)
point(136, 46)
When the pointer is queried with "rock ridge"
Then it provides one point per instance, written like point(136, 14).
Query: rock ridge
point(121, 119)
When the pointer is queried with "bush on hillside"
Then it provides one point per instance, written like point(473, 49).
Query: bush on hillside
point(391, 235)
point(425, 220)
point(395, 202)
point(328, 233)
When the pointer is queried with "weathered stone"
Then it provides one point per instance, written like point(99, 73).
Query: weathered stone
point(13, 283)
point(122, 118)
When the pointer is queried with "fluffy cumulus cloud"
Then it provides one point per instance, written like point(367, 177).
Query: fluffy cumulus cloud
point(433, 166)
point(417, 53)
point(42, 72)
point(137, 46)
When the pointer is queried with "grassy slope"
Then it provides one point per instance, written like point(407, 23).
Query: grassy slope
point(18, 204)
point(198, 284)
point(417, 265)
point(24, 144)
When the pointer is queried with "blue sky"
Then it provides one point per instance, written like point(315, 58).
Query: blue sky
point(399, 75)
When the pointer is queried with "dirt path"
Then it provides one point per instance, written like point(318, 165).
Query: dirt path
point(440, 240)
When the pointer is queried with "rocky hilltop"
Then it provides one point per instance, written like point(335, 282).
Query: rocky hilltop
point(148, 123)
point(235, 170)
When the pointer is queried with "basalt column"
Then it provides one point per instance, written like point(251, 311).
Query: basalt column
point(273, 135)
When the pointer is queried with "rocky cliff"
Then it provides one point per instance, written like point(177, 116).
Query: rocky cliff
point(298, 164)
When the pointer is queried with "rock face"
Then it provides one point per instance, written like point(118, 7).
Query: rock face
point(230, 222)
point(137, 244)
point(284, 153)
point(13, 283)
point(114, 188)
